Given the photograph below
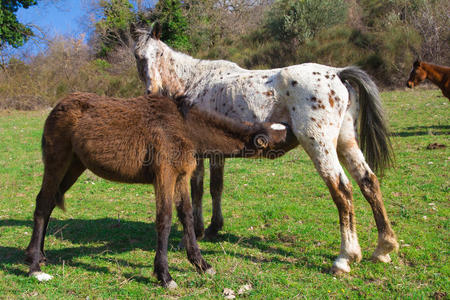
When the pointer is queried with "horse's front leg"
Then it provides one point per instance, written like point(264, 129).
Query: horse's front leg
point(216, 166)
point(197, 195)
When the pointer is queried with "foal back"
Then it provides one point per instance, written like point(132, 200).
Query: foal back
point(118, 139)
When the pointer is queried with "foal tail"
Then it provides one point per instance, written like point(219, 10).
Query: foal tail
point(374, 133)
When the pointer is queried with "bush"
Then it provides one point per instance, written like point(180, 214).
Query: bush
point(66, 67)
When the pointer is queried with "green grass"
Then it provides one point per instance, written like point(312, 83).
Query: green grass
point(281, 231)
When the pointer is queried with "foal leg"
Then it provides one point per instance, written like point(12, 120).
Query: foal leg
point(56, 163)
point(197, 194)
point(74, 171)
point(164, 190)
point(325, 159)
point(354, 161)
point(216, 166)
point(185, 216)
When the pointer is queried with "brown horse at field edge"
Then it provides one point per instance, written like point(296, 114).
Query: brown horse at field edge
point(439, 75)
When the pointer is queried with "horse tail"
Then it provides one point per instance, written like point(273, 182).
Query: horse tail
point(374, 132)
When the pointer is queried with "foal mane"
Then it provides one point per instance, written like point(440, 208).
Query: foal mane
point(183, 104)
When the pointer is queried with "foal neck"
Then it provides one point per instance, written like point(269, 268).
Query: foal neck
point(215, 134)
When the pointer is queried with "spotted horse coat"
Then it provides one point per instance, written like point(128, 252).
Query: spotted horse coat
point(318, 103)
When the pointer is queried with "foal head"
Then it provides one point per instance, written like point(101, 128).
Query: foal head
point(418, 74)
point(270, 140)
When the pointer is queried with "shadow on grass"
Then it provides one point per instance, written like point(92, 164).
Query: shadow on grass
point(423, 130)
point(126, 236)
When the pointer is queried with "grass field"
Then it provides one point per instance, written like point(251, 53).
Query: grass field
point(281, 231)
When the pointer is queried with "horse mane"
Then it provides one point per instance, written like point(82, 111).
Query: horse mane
point(142, 36)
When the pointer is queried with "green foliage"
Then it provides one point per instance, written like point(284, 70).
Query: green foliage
point(170, 15)
point(114, 27)
point(11, 31)
point(101, 64)
point(301, 20)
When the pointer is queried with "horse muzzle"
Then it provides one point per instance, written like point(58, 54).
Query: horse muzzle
point(409, 84)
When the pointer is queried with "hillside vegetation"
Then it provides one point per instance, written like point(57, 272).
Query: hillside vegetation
point(383, 37)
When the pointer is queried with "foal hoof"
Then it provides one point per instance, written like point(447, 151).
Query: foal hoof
point(171, 285)
point(210, 271)
point(211, 233)
point(41, 276)
point(340, 266)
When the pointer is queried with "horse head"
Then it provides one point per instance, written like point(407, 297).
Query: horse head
point(417, 75)
point(154, 63)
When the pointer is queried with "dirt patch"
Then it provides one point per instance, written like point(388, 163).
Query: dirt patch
point(434, 146)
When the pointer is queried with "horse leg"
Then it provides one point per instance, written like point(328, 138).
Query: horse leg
point(197, 194)
point(354, 161)
point(324, 156)
point(164, 190)
point(216, 166)
point(56, 162)
point(184, 210)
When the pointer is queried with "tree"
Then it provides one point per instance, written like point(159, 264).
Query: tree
point(11, 31)
point(113, 29)
point(170, 14)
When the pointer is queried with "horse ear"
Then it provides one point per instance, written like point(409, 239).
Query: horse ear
point(417, 63)
point(134, 32)
point(156, 31)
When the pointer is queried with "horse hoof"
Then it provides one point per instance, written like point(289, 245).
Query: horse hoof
point(340, 266)
point(211, 234)
point(41, 276)
point(171, 285)
point(210, 271)
point(381, 258)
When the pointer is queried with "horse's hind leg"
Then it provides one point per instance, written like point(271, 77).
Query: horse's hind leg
point(56, 160)
point(217, 164)
point(324, 156)
point(353, 159)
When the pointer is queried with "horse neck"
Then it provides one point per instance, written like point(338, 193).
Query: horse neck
point(189, 70)
point(211, 134)
point(178, 69)
point(435, 73)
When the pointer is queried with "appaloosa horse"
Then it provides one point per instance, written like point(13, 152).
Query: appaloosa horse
point(319, 104)
point(140, 140)
point(439, 75)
